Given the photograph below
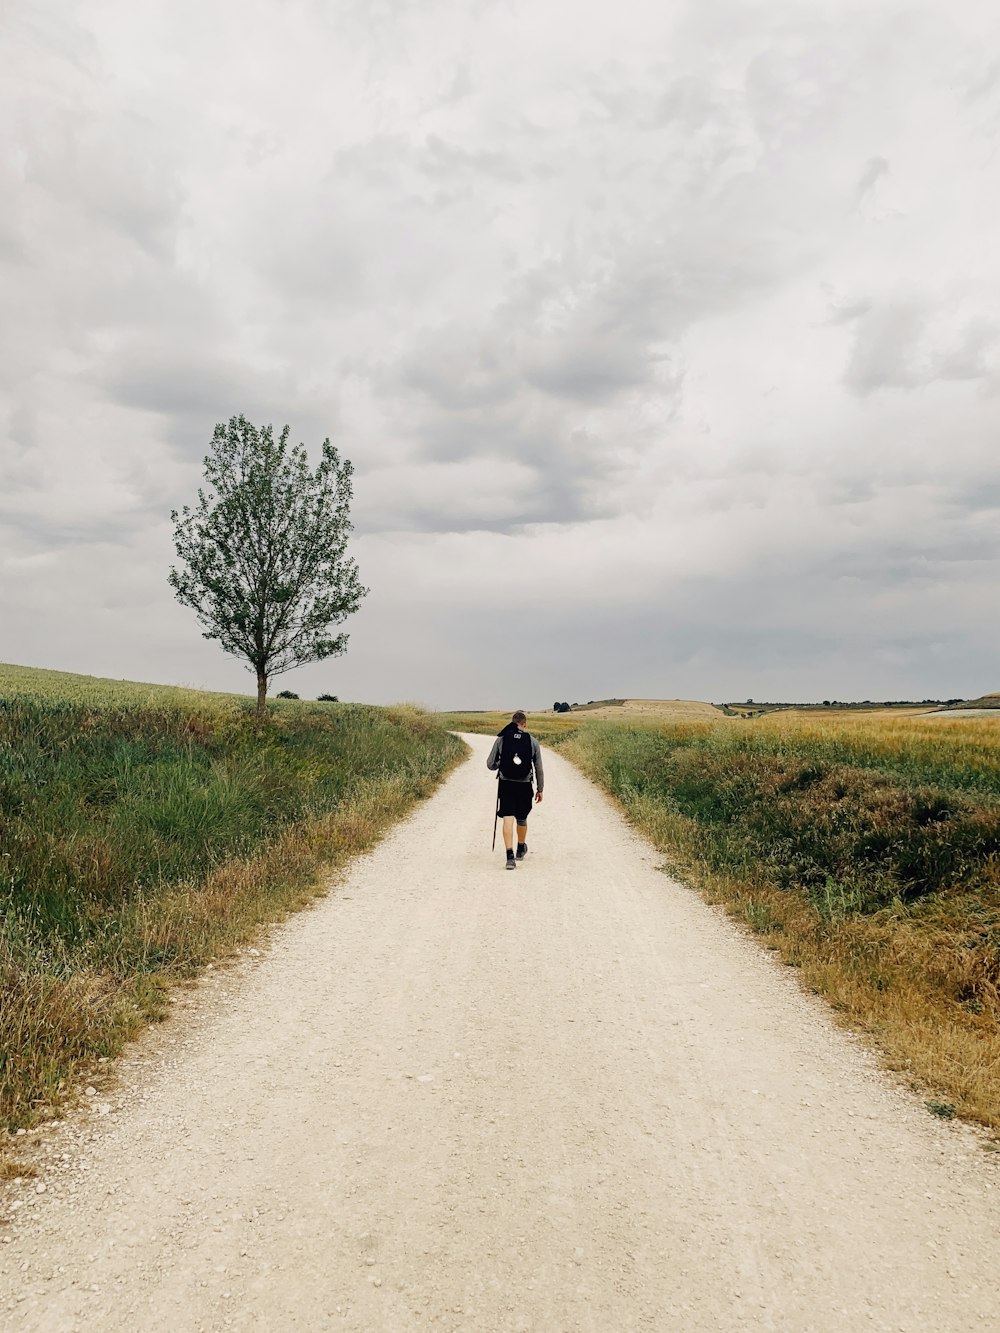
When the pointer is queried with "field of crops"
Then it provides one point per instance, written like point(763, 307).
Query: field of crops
point(145, 831)
point(64, 687)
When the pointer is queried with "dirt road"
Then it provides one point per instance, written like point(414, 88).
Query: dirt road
point(567, 1098)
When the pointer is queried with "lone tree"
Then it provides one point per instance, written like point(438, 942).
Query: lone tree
point(262, 553)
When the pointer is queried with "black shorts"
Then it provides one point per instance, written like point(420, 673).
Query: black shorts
point(515, 799)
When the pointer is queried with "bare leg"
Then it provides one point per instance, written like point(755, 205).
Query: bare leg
point(508, 832)
point(522, 833)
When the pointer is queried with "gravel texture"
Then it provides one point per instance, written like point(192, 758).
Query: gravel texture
point(450, 1096)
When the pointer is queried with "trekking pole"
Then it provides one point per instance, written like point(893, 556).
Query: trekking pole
point(496, 817)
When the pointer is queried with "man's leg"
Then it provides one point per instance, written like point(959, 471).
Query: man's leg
point(508, 832)
point(508, 824)
point(508, 840)
point(522, 835)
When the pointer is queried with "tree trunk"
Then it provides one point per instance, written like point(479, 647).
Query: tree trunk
point(261, 698)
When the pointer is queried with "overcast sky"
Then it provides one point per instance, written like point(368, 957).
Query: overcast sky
point(664, 337)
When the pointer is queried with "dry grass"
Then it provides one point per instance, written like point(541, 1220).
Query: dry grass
point(863, 715)
point(657, 710)
point(13, 1169)
point(964, 752)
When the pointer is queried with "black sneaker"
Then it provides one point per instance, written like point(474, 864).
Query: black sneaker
point(511, 863)
point(522, 850)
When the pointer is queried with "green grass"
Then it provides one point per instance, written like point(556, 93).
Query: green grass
point(852, 827)
point(145, 831)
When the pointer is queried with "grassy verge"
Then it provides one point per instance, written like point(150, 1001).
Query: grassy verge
point(140, 840)
point(866, 853)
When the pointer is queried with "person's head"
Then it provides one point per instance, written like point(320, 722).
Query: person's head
point(519, 718)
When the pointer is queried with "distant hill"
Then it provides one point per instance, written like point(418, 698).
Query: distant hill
point(755, 708)
point(627, 709)
point(42, 683)
point(624, 710)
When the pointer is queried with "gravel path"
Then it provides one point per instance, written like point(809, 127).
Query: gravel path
point(568, 1098)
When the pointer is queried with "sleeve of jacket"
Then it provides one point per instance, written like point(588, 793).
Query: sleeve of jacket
point(536, 759)
point(494, 760)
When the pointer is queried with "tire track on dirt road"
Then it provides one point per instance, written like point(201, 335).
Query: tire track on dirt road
point(569, 1099)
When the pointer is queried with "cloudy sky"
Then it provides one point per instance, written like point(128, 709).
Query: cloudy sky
point(664, 337)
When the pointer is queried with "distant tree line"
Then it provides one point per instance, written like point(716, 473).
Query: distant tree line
point(840, 703)
point(320, 698)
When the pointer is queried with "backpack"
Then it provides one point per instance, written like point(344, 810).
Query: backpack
point(515, 756)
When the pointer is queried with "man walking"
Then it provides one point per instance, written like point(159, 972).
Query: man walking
point(516, 754)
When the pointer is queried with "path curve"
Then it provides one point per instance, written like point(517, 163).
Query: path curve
point(570, 1098)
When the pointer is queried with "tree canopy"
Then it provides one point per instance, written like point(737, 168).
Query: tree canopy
point(262, 554)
